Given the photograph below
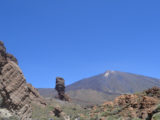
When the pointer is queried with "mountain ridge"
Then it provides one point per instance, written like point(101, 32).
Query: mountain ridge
point(105, 86)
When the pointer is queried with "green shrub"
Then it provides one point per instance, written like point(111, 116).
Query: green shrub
point(156, 116)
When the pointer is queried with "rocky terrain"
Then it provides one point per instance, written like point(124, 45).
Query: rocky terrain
point(17, 96)
point(140, 106)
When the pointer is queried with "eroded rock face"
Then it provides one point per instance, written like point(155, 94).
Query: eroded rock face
point(16, 93)
point(60, 87)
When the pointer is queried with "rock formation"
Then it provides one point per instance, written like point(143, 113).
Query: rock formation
point(142, 105)
point(60, 87)
point(10, 57)
point(3, 55)
point(16, 93)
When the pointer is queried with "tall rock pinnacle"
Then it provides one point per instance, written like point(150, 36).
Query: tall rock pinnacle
point(60, 87)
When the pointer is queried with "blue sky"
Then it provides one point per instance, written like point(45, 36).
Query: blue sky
point(76, 39)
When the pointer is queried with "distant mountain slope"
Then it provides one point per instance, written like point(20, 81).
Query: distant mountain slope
point(47, 92)
point(115, 82)
point(106, 86)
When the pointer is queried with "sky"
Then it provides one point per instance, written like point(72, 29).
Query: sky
point(76, 39)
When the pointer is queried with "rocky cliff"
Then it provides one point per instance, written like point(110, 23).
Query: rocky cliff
point(17, 95)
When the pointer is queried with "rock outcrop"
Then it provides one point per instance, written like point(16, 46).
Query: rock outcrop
point(16, 93)
point(129, 106)
point(60, 87)
point(10, 57)
point(153, 92)
point(3, 55)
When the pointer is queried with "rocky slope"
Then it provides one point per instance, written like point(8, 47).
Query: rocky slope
point(115, 82)
point(142, 106)
point(17, 95)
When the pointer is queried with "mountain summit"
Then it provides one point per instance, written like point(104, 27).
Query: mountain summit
point(107, 85)
point(116, 82)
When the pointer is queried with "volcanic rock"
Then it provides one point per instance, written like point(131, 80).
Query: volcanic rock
point(57, 111)
point(16, 93)
point(60, 87)
point(153, 92)
point(142, 105)
point(10, 57)
point(3, 55)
